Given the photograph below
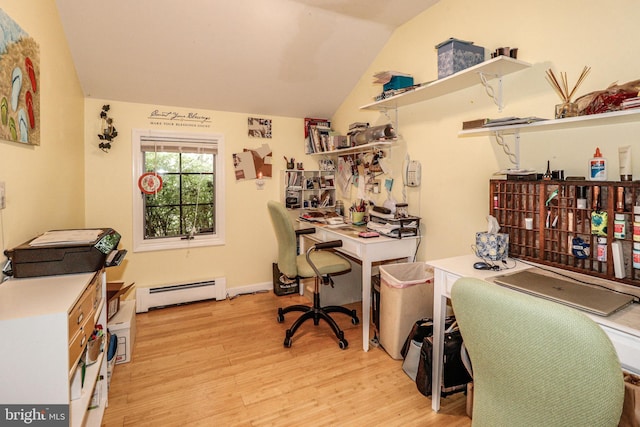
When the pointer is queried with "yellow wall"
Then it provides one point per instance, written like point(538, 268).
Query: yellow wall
point(564, 36)
point(250, 249)
point(45, 184)
point(69, 182)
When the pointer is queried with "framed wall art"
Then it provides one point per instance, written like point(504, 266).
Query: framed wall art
point(19, 84)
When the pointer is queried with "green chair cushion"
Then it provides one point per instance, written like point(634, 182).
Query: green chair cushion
point(325, 261)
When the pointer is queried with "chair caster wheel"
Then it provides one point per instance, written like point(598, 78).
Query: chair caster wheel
point(287, 342)
point(343, 344)
point(355, 320)
point(280, 318)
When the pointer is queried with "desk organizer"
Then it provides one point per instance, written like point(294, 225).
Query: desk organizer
point(546, 221)
point(390, 226)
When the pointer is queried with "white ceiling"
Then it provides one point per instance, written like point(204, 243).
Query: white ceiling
point(296, 58)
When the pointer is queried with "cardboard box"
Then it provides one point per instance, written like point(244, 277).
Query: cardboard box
point(123, 325)
point(455, 55)
point(110, 364)
point(114, 291)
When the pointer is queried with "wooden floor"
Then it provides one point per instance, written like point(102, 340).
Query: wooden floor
point(222, 363)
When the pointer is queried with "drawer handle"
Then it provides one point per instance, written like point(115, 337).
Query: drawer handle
point(80, 317)
point(84, 339)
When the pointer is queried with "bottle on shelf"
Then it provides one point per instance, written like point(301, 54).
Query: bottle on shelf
point(547, 174)
point(598, 167)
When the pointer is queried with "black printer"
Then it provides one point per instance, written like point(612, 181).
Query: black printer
point(66, 252)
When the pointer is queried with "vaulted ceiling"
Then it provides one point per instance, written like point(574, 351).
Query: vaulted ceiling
point(296, 58)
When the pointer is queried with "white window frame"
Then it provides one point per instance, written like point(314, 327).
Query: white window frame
point(140, 244)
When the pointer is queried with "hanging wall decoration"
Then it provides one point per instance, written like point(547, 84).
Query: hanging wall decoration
point(253, 163)
point(19, 84)
point(150, 183)
point(259, 128)
point(107, 128)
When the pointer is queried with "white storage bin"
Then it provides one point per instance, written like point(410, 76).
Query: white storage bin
point(123, 325)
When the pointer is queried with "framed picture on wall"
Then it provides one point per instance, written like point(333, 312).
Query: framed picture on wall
point(19, 84)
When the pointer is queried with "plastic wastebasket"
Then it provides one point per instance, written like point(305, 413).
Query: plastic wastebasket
point(406, 295)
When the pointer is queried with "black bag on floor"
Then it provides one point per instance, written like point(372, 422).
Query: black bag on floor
point(411, 349)
point(456, 376)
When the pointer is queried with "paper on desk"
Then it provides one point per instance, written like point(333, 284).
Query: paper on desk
point(66, 237)
point(343, 178)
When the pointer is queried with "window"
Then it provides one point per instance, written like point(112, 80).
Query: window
point(188, 210)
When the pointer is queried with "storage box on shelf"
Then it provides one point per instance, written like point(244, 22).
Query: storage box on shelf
point(456, 55)
point(114, 291)
point(558, 218)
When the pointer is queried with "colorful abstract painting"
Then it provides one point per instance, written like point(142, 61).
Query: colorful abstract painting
point(19, 84)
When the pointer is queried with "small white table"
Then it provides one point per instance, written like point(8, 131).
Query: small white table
point(623, 327)
point(368, 251)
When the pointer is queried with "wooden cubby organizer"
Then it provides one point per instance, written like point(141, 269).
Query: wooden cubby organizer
point(549, 242)
point(302, 186)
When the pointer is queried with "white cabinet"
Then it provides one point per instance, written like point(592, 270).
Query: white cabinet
point(45, 324)
point(309, 189)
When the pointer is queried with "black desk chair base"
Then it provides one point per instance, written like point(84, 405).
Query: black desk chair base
point(316, 312)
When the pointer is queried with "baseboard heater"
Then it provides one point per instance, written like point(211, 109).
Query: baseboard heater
point(163, 296)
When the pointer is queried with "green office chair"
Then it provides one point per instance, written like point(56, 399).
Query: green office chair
point(318, 262)
point(535, 362)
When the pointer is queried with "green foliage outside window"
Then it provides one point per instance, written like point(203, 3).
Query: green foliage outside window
point(185, 204)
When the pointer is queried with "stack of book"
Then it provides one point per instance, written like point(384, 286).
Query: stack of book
point(630, 103)
point(316, 134)
point(503, 121)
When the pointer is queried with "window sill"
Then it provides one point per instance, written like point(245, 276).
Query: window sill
point(177, 243)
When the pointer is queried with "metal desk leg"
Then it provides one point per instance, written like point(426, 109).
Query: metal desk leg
point(439, 313)
point(366, 303)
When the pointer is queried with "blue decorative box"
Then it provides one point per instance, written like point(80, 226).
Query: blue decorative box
point(398, 82)
point(455, 55)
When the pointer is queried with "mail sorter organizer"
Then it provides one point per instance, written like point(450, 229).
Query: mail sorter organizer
point(582, 226)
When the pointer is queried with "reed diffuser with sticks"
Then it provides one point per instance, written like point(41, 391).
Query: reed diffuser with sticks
point(567, 108)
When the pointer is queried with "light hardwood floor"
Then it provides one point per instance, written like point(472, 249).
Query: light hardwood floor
point(222, 363)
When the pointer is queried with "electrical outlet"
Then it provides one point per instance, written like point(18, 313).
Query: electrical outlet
point(3, 201)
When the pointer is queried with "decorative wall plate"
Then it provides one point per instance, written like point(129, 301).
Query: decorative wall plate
point(150, 183)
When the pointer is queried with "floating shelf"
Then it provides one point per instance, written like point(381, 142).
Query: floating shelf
point(611, 118)
point(493, 68)
point(356, 149)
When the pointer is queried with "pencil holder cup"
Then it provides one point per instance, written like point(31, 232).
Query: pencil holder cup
point(357, 217)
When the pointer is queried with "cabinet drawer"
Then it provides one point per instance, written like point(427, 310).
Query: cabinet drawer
point(79, 341)
point(83, 308)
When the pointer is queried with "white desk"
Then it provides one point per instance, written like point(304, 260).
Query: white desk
point(623, 327)
point(367, 251)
